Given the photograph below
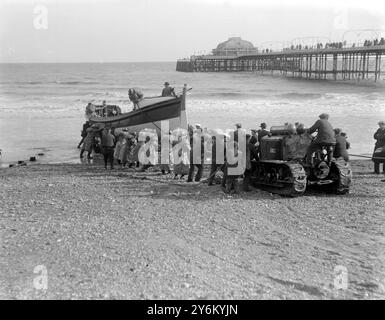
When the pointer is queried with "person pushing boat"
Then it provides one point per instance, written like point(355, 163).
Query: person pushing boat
point(135, 96)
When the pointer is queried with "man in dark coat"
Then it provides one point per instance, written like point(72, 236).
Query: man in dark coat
point(262, 132)
point(168, 91)
point(254, 136)
point(196, 160)
point(251, 154)
point(325, 135)
point(379, 136)
point(231, 170)
point(340, 149)
point(108, 146)
point(89, 144)
point(215, 165)
point(86, 125)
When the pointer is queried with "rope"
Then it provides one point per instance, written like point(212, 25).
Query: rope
point(367, 157)
point(195, 182)
point(139, 177)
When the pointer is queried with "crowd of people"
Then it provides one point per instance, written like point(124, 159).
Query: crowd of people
point(375, 42)
point(122, 148)
point(333, 45)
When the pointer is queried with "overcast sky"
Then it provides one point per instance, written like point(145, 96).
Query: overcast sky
point(154, 30)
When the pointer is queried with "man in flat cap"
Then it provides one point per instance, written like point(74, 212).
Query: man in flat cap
point(262, 132)
point(325, 135)
point(340, 150)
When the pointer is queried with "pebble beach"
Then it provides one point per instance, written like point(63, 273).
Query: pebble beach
point(123, 234)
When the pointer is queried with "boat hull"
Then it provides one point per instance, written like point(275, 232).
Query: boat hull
point(149, 115)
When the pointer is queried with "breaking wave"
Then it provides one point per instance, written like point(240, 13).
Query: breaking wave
point(51, 82)
point(299, 95)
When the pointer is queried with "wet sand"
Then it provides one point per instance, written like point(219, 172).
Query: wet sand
point(122, 234)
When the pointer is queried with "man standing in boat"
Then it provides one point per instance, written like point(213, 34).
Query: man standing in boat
point(168, 91)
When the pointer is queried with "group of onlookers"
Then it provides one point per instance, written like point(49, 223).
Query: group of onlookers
point(329, 45)
point(375, 42)
point(333, 45)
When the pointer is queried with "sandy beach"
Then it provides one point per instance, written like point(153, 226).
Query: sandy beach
point(122, 234)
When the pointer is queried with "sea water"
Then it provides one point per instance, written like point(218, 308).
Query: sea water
point(42, 105)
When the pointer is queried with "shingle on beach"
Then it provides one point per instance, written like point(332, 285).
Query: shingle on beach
point(124, 234)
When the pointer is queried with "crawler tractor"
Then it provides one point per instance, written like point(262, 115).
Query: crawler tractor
point(284, 169)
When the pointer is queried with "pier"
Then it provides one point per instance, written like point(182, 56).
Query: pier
point(347, 63)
